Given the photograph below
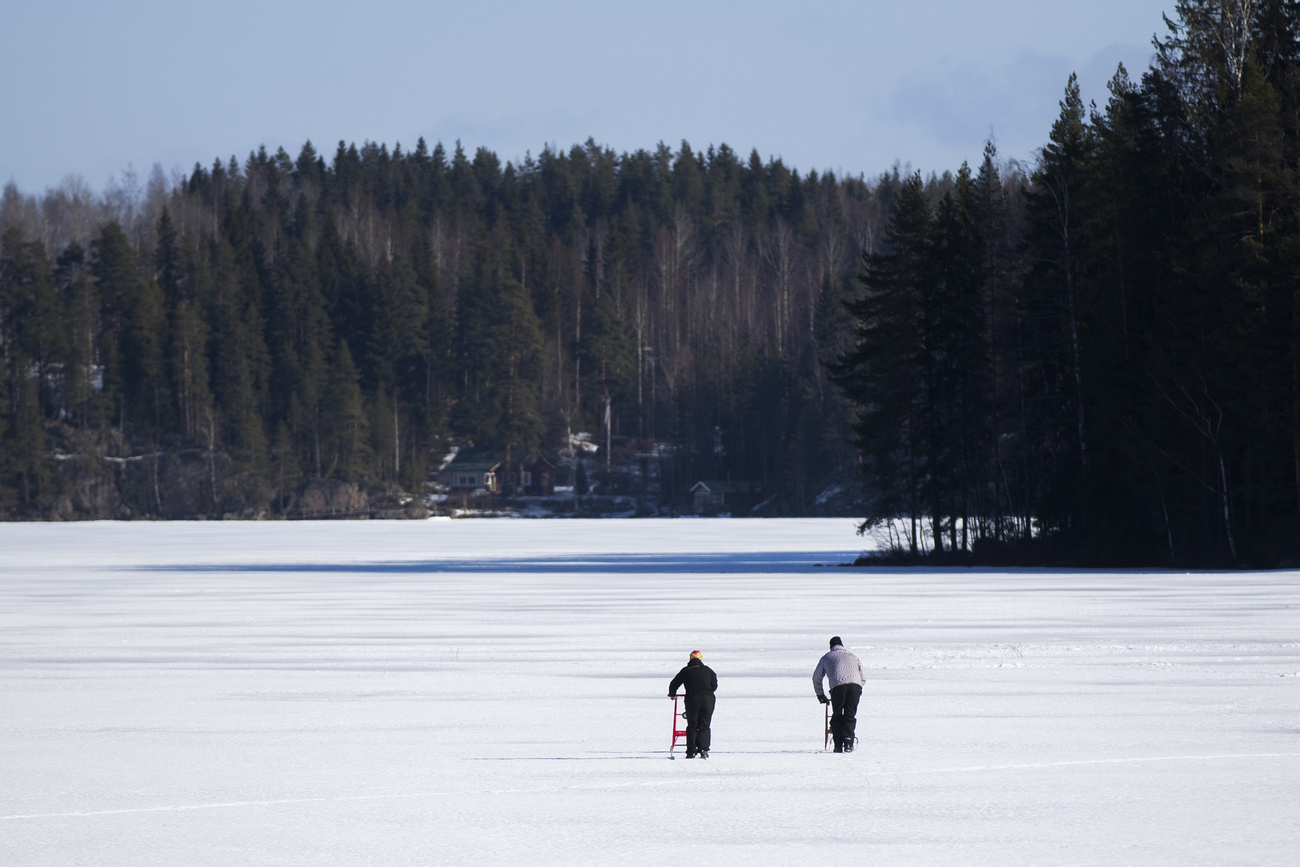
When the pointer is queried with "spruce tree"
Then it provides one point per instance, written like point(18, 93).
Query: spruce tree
point(344, 424)
point(884, 372)
point(513, 341)
point(1056, 251)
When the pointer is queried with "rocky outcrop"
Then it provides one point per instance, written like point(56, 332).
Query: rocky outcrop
point(92, 490)
point(98, 476)
point(331, 499)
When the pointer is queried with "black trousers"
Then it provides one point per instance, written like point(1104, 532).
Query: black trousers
point(844, 712)
point(699, 713)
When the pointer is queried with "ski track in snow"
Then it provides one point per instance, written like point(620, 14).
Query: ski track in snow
point(492, 691)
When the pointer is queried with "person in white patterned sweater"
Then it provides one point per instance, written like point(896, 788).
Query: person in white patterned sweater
point(843, 671)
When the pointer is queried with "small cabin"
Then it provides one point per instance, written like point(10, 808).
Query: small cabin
point(714, 496)
point(474, 469)
point(538, 477)
point(534, 477)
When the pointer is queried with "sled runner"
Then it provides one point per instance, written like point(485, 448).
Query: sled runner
point(826, 741)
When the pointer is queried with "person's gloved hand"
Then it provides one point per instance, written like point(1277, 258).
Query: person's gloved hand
point(823, 699)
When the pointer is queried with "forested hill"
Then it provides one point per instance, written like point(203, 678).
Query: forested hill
point(1114, 379)
point(256, 328)
point(1095, 360)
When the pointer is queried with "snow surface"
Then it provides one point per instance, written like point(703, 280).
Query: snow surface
point(493, 692)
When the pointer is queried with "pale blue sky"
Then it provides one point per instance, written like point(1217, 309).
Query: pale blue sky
point(90, 87)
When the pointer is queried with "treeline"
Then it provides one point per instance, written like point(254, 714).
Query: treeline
point(1095, 360)
point(1105, 367)
point(298, 319)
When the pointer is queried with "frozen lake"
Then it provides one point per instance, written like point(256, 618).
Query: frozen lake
point(494, 692)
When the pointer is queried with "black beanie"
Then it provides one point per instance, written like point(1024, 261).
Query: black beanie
point(835, 641)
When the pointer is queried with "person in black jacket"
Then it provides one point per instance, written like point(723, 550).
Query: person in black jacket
point(701, 683)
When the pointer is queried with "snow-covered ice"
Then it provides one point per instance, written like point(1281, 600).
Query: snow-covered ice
point(493, 692)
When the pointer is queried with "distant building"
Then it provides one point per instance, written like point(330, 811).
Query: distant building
point(484, 470)
point(472, 469)
point(537, 477)
point(712, 496)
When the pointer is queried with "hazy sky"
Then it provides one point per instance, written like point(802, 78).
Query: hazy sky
point(91, 86)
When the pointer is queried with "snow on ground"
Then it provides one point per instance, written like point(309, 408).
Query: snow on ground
point(494, 692)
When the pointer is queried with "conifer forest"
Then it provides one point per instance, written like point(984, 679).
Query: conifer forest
point(1091, 358)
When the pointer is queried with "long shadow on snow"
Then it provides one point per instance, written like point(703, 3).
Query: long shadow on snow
point(749, 562)
point(714, 562)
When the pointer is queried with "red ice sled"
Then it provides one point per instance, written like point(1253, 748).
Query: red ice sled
point(677, 733)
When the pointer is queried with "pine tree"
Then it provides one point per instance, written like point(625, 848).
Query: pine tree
point(116, 279)
point(958, 403)
point(143, 357)
point(1057, 251)
point(238, 353)
point(884, 373)
point(8, 472)
point(513, 341)
point(30, 338)
point(344, 424)
point(397, 350)
point(80, 316)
